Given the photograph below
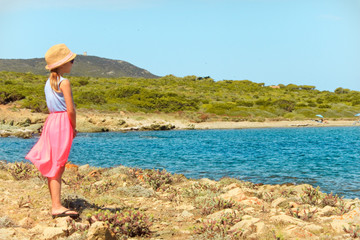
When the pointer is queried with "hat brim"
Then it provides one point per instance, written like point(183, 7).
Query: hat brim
point(53, 66)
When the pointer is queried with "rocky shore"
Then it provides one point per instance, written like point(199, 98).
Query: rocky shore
point(25, 124)
point(131, 203)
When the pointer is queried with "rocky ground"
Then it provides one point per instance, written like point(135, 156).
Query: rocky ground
point(130, 203)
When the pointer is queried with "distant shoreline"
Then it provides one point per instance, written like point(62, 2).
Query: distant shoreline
point(24, 123)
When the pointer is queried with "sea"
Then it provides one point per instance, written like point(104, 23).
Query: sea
point(328, 157)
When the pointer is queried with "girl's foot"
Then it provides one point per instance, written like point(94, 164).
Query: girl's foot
point(64, 212)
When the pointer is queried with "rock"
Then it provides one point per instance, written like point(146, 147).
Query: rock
point(261, 228)
point(231, 186)
point(62, 222)
point(352, 217)
point(285, 219)
point(83, 168)
point(186, 214)
point(137, 191)
point(252, 201)
point(6, 222)
point(277, 202)
point(185, 207)
point(249, 210)
point(313, 228)
point(207, 181)
point(23, 134)
point(244, 224)
point(219, 214)
point(235, 194)
point(157, 127)
point(7, 233)
point(51, 233)
point(75, 236)
point(326, 211)
point(293, 205)
point(98, 230)
point(296, 232)
point(26, 222)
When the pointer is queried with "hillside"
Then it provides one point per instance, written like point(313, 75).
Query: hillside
point(195, 99)
point(90, 66)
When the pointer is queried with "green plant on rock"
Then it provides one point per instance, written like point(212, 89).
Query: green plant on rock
point(267, 196)
point(305, 214)
point(104, 186)
point(128, 222)
point(73, 226)
point(330, 200)
point(219, 229)
point(202, 189)
point(353, 230)
point(341, 208)
point(157, 178)
point(208, 206)
point(22, 171)
point(311, 195)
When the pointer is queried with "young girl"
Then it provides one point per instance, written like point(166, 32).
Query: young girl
point(51, 151)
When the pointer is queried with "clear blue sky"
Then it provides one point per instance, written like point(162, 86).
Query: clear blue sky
point(305, 42)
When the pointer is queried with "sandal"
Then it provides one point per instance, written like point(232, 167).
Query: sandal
point(66, 214)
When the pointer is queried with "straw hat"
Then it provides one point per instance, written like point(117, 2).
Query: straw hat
point(58, 55)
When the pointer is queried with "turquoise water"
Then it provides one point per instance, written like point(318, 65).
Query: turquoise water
point(326, 157)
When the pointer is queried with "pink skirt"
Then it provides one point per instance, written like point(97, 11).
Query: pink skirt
point(52, 150)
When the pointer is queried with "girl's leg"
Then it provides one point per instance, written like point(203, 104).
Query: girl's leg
point(54, 185)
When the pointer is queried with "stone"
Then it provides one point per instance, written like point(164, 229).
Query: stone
point(244, 224)
point(208, 181)
point(26, 222)
point(285, 219)
point(296, 232)
point(249, 210)
point(6, 222)
point(252, 201)
point(98, 230)
point(62, 222)
point(185, 207)
point(7, 233)
point(261, 228)
point(218, 215)
point(51, 233)
point(231, 186)
point(83, 168)
point(186, 214)
point(277, 202)
point(235, 194)
point(326, 211)
point(352, 217)
point(313, 228)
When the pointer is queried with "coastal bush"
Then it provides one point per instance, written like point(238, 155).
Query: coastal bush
point(219, 229)
point(305, 214)
point(22, 171)
point(202, 189)
point(234, 98)
point(153, 177)
point(311, 195)
point(157, 178)
point(330, 200)
point(211, 205)
point(127, 222)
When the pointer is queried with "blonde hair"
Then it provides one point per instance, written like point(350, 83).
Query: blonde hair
point(54, 80)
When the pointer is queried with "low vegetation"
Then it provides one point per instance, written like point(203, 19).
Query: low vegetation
point(200, 99)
